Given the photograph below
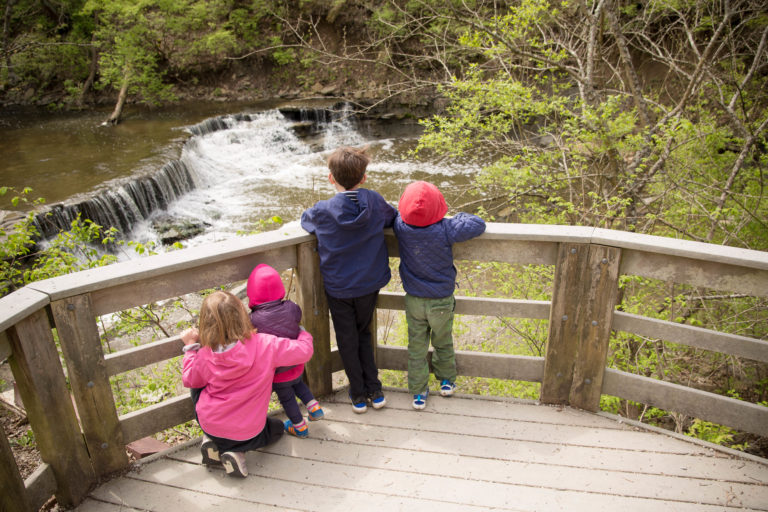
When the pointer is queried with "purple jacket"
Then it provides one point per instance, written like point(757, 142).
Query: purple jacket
point(280, 318)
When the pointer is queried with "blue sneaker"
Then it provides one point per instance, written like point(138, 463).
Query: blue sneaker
point(297, 430)
point(377, 399)
point(315, 412)
point(359, 404)
point(447, 387)
point(420, 401)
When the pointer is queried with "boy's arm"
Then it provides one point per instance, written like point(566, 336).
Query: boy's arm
point(307, 220)
point(464, 226)
point(390, 213)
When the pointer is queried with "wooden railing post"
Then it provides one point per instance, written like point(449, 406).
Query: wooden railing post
point(43, 388)
point(14, 495)
point(314, 306)
point(86, 367)
point(563, 323)
point(595, 316)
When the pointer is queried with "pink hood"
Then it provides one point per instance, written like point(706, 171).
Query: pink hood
point(264, 285)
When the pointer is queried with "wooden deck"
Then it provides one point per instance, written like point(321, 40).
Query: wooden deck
point(462, 453)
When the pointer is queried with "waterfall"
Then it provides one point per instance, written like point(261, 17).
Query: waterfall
point(122, 207)
point(233, 148)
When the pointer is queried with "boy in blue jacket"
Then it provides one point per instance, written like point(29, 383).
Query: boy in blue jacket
point(425, 238)
point(354, 264)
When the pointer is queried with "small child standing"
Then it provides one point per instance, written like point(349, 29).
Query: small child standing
point(425, 238)
point(270, 314)
point(354, 264)
point(230, 368)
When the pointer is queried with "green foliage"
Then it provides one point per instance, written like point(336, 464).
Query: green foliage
point(24, 260)
point(27, 439)
point(714, 433)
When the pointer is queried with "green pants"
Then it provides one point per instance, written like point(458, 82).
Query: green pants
point(429, 320)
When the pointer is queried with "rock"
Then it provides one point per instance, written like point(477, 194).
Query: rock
point(172, 229)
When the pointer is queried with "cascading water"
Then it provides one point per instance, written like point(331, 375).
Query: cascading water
point(237, 170)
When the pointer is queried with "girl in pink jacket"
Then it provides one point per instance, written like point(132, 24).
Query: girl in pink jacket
point(230, 368)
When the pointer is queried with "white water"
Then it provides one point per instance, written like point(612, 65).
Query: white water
point(259, 169)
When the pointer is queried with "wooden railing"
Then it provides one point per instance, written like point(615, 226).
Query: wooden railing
point(81, 445)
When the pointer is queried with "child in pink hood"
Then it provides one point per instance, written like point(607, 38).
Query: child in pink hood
point(230, 368)
point(271, 314)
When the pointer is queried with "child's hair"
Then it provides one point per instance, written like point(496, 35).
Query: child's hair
point(223, 320)
point(348, 166)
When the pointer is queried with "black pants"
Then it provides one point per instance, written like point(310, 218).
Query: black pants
point(272, 431)
point(352, 323)
point(287, 393)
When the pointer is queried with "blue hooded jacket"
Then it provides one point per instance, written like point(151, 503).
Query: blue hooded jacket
point(426, 253)
point(350, 242)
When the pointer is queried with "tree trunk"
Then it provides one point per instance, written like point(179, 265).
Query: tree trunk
point(91, 76)
point(114, 118)
point(12, 77)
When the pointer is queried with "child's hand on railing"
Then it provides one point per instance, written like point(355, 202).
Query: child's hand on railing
point(190, 336)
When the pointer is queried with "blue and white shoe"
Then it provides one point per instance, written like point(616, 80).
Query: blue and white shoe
point(359, 404)
point(420, 400)
point(377, 400)
point(447, 387)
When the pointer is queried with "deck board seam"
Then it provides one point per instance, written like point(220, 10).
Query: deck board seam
point(633, 450)
point(519, 484)
point(325, 486)
point(757, 483)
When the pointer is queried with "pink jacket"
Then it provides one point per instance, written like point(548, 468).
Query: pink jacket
point(238, 383)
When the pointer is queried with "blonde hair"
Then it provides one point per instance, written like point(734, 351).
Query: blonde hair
point(223, 320)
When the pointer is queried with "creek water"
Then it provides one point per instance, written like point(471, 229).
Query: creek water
point(227, 166)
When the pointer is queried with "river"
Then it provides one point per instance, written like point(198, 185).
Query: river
point(227, 166)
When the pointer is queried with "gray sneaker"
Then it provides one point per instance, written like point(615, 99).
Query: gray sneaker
point(210, 452)
point(234, 464)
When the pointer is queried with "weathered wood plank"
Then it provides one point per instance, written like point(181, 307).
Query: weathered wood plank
point(467, 483)
point(81, 346)
point(14, 495)
point(483, 306)
point(314, 306)
point(681, 248)
point(548, 444)
point(564, 323)
point(41, 485)
point(707, 339)
point(19, 305)
point(173, 284)
point(472, 364)
point(336, 448)
point(705, 273)
point(182, 262)
point(156, 417)
point(594, 317)
point(143, 355)
point(699, 404)
point(173, 482)
point(43, 388)
point(5, 346)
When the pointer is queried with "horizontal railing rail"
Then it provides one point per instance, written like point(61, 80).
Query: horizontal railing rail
point(79, 446)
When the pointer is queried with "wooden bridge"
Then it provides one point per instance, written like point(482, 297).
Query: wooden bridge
point(462, 453)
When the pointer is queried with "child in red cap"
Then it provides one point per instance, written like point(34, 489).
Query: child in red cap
point(270, 314)
point(425, 238)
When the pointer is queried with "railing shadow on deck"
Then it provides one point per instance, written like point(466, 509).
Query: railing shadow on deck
point(81, 446)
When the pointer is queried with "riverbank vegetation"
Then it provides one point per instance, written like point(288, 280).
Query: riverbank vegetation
point(648, 117)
